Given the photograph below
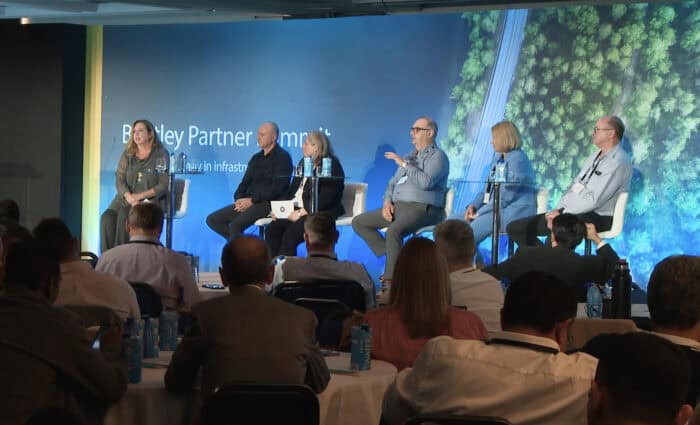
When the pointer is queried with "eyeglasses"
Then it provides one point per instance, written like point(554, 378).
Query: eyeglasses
point(417, 129)
point(596, 129)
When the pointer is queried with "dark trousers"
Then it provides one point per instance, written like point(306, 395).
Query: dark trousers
point(526, 230)
point(113, 227)
point(228, 222)
point(283, 236)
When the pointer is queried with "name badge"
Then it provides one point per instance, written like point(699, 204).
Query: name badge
point(487, 197)
point(402, 180)
point(577, 187)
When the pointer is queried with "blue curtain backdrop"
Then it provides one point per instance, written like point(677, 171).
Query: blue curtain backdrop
point(363, 81)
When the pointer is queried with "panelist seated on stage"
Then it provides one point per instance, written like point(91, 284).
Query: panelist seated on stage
point(80, 284)
point(321, 262)
point(560, 260)
point(520, 374)
point(138, 179)
point(517, 196)
point(414, 197)
point(46, 355)
point(419, 307)
point(479, 292)
point(145, 259)
point(266, 179)
point(284, 234)
point(247, 336)
point(594, 191)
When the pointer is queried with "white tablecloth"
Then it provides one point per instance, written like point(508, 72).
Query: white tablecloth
point(351, 398)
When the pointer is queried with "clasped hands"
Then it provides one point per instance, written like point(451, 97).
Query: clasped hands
point(242, 204)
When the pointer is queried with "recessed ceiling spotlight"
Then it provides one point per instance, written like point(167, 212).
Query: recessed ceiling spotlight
point(25, 20)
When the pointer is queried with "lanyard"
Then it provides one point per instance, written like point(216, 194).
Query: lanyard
point(592, 169)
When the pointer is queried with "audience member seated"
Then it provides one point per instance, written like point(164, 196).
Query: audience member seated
point(9, 210)
point(46, 355)
point(521, 374)
point(12, 232)
point(419, 307)
point(247, 336)
point(283, 235)
point(674, 307)
point(144, 259)
point(641, 379)
point(80, 284)
point(560, 260)
point(479, 292)
point(321, 235)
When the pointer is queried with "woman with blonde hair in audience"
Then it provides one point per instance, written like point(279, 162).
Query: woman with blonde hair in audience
point(419, 307)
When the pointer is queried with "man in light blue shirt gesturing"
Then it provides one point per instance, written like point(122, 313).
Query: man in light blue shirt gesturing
point(414, 197)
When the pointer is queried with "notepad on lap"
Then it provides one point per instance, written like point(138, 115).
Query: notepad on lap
point(282, 209)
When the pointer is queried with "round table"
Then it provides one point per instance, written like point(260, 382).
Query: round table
point(351, 398)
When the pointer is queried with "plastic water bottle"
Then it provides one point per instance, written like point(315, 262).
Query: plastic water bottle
point(622, 291)
point(500, 173)
point(150, 338)
point(326, 165)
point(361, 347)
point(594, 302)
point(308, 167)
point(182, 162)
point(173, 164)
point(167, 330)
point(132, 351)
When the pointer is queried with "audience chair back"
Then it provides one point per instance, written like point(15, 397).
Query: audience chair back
point(89, 257)
point(354, 202)
point(584, 329)
point(331, 315)
point(348, 292)
point(457, 420)
point(149, 301)
point(182, 194)
point(617, 222)
point(261, 404)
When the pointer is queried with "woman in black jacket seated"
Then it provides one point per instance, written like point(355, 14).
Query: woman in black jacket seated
point(283, 235)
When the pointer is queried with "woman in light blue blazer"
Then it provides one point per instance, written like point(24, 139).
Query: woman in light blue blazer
point(518, 195)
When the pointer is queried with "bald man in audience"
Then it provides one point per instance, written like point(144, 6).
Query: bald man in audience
point(247, 336)
point(641, 379)
point(479, 292)
point(673, 295)
point(321, 262)
point(521, 374)
point(145, 259)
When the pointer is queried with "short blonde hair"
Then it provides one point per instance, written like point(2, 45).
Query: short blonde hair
point(506, 136)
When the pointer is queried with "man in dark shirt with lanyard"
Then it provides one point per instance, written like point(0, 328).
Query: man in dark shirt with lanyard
point(594, 191)
point(266, 179)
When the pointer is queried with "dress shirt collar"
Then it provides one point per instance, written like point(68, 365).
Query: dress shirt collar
point(145, 238)
point(323, 254)
point(526, 339)
point(77, 266)
point(679, 340)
